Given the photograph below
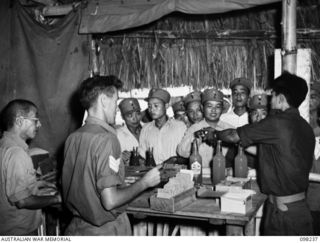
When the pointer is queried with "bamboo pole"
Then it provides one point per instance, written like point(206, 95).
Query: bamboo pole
point(95, 69)
point(289, 36)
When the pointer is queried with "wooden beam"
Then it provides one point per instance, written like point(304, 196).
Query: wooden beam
point(59, 9)
point(227, 35)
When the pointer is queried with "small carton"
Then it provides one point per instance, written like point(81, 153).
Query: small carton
point(236, 202)
point(231, 184)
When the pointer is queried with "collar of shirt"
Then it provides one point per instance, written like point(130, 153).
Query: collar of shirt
point(16, 139)
point(244, 114)
point(221, 125)
point(97, 121)
point(292, 110)
point(167, 123)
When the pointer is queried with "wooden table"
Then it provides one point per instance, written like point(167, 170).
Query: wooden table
point(205, 210)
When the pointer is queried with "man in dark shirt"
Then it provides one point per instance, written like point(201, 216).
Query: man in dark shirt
point(285, 144)
point(93, 173)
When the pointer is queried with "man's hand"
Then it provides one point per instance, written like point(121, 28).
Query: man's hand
point(208, 135)
point(152, 177)
point(211, 138)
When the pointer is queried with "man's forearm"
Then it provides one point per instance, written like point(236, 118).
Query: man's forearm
point(228, 136)
point(37, 202)
point(114, 197)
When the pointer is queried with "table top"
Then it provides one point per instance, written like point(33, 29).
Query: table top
point(200, 209)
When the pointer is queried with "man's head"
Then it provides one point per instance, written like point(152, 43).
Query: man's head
point(258, 105)
point(100, 94)
point(130, 112)
point(22, 117)
point(179, 110)
point(240, 88)
point(158, 103)
point(213, 104)
point(314, 96)
point(288, 90)
point(194, 107)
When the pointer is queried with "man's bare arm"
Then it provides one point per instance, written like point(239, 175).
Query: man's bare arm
point(228, 136)
point(37, 202)
point(113, 197)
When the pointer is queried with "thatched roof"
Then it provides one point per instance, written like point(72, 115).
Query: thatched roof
point(206, 50)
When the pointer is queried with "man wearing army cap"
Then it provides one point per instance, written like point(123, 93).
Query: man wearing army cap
point(258, 105)
point(179, 111)
point(129, 133)
point(238, 116)
point(314, 107)
point(194, 108)
point(162, 134)
point(213, 106)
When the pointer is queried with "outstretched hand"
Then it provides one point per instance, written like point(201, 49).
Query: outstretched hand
point(211, 138)
point(152, 177)
point(207, 135)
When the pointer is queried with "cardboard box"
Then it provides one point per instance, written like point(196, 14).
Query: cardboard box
point(174, 203)
point(236, 202)
point(232, 184)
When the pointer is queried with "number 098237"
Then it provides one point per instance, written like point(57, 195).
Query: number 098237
point(309, 238)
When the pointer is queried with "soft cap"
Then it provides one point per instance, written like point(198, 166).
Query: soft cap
point(160, 94)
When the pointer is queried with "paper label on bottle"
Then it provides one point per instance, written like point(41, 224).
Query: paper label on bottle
point(196, 168)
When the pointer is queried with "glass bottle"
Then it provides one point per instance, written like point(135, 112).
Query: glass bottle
point(195, 162)
point(218, 165)
point(241, 164)
point(134, 159)
point(149, 157)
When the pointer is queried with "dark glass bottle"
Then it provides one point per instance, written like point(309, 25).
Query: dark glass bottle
point(240, 164)
point(195, 162)
point(134, 159)
point(149, 158)
point(218, 165)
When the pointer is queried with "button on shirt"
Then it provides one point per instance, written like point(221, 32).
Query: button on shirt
point(206, 151)
point(235, 120)
point(286, 143)
point(86, 170)
point(126, 138)
point(164, 140)
point(18, 179)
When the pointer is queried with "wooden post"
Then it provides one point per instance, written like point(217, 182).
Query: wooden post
point(289, 38)
point(95, 69)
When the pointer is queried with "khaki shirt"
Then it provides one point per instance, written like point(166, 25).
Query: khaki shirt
point(18, 180)
point(126, 138)
point(87, 171)
point(235, 120)
point(206, 151)
point(164, 140)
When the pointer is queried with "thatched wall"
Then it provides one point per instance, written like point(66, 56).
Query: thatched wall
point(205, 50)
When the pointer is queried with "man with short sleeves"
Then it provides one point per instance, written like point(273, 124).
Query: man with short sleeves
point(213, 106)
point(238, 115)
point(93, 174)
point(194, 108)
point(21, 194)
point(286, 143)
point(163, 134)
point(129, 133)
point(179, 111)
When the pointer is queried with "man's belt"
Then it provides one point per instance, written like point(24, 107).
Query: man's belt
point(281, 201)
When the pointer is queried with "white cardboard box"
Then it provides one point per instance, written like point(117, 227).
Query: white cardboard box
point(236, 202)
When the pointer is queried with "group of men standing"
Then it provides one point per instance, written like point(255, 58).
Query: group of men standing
point(95, 155)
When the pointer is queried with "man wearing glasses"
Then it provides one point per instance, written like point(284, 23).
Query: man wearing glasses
point(21, 196)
